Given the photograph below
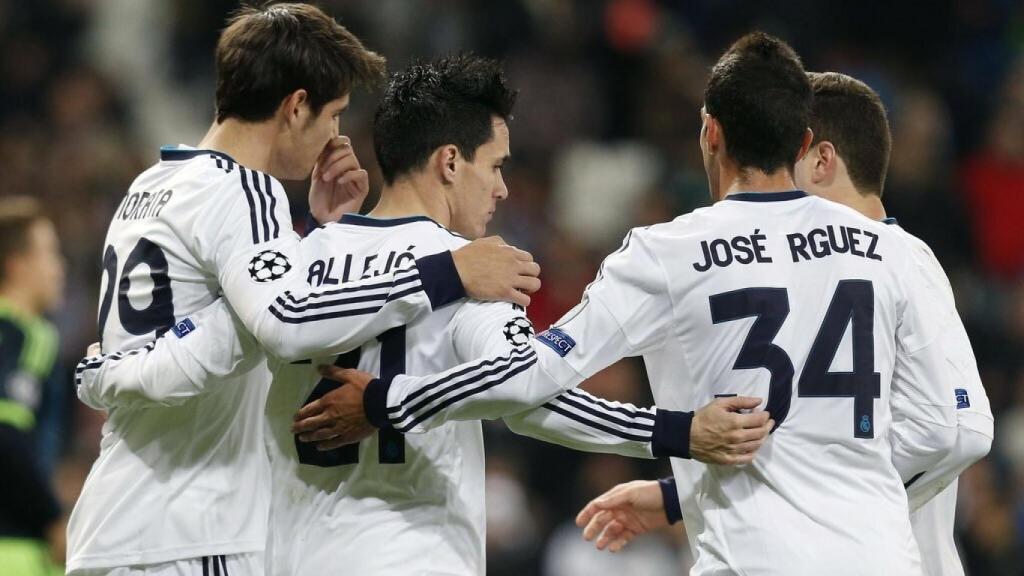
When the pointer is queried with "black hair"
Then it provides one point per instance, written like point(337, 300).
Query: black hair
point(450, 100)
point(760, 94)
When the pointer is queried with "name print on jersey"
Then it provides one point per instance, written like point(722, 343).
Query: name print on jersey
point(826, 242)
point(818, 243)
point(322, 272)
point(139, 205)
point(741, 249)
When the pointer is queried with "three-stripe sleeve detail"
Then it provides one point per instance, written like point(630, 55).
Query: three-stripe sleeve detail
point(259, 194)
point(252, 205)
point(635, 424)
point(457, 386)
point(97, 362)
point(347, 301)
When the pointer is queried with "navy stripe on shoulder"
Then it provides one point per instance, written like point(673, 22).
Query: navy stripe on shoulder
point(252, 205)
point(273, 205)
point(264, 204)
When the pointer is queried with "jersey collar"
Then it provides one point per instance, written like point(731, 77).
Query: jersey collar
point(890, 220)
point(173, 153)
point(767, 196)
point(360, 220)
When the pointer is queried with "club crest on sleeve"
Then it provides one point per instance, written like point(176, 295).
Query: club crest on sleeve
point(518, 331)
point(268, 266)
point(962, 399)
point(557, 340)
point(183, 328)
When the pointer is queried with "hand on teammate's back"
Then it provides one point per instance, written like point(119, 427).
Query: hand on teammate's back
point(720, 434)
point(339, 185)
point(337, 418)
point(494, 271)
point(623, 513)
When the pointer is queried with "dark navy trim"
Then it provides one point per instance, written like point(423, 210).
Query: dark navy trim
point(252, 206)
point(360, 220)
point(890, 220)
point(767, 196)
point(595, 424)
point(671, 433)
point(513, 356)
point(467, 393)
point(609, 406)
point(583, 407)
point(173, 153)
point(915, 478)
point(375, 402)
point(311, 224)
point(268, 191)
point(440, 279)
point(670, 499)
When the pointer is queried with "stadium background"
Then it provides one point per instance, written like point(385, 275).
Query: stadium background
point(604, 138)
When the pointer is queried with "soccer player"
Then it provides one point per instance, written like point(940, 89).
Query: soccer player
point(31, 284)
point(399, 504)
point(180, 489)
point(769, 292)
point(847, 163)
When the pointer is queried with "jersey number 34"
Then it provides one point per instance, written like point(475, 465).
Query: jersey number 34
point(853, 304)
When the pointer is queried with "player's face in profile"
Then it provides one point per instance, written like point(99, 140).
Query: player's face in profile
point(480, 185)
point(44, 265)
point(313, 134)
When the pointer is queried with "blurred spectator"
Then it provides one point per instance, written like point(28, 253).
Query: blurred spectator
point(605, 139)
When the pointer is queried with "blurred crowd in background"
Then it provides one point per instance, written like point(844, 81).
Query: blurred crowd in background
point(605, 137)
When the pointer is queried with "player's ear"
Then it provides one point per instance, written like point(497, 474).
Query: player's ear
point(713, 134)
point(806, 144)
point(295, 108)
point(446, 161)
point(825, 162)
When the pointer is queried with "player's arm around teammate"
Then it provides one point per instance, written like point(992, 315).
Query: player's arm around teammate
point(620, 316)
point(574, 418)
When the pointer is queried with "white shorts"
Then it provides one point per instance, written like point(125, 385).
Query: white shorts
point(229, 565)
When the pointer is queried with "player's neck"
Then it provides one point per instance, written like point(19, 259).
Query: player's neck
point(870, 205)
point(245, 142)
point(734, 180)
point(412, 197)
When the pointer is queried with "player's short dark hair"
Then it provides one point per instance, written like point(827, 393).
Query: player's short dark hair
point(450, 100)
point(760, 94)
point(17, 216)
point(267, 53)
point(850, 115)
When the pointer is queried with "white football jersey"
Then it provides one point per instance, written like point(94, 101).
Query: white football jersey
point(192, 479)
point(790, 298)
point(393, 504)
point(934, 521)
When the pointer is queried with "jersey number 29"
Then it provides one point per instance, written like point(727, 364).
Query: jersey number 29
point(158, 316)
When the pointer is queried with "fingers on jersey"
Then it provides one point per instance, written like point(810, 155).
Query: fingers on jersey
point(720, 434)
point(338, 416)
